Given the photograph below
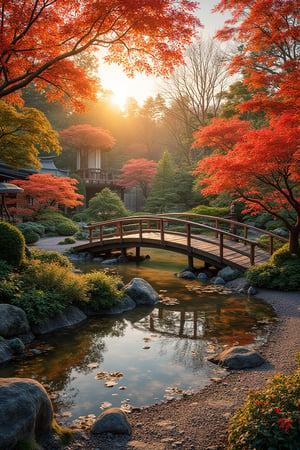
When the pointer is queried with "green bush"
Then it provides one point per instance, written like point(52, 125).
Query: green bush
point(105, 205)
point(32, 226)
point(38, 305)
point(53, 278)
point(51, 257)
point(277, 243)
point(282, 272)
point(5, 269)
point(103, 290)
point(67, 240)
point(211, 210)
point(55, 222)
point(270, 417)
point(30, 236)
point(67, 228)
point(12, 244)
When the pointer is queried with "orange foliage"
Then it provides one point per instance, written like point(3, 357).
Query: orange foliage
point(86, 137)
point(42, 191)
point(40, 39)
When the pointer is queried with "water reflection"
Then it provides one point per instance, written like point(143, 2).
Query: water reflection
point(159, 352)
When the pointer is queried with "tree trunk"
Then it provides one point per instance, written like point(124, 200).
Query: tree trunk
point(294, 245)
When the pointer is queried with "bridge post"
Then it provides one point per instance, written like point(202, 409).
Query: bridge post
point(137, 252)
point(190, 262)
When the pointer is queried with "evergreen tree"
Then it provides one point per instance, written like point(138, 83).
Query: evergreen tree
point(162, 196)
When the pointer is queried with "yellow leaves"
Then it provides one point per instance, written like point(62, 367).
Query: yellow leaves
point(22, 134)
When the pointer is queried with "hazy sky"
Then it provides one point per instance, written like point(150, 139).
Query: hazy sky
point(141, 86)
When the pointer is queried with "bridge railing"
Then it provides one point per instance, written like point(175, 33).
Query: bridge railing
point(190, 227)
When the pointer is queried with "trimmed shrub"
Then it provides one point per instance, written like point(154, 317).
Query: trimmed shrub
point(67, 240)
point(282, 272)
point(270, 417)
point(30, 236)
point(12, 244)
point(103, 290)
point(36, 227)
point(211, 210)
point(67, 228)
point(55, 222)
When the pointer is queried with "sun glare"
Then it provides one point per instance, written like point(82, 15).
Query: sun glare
point(119, 99)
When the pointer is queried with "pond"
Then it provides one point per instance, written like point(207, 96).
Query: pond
point(145, 356)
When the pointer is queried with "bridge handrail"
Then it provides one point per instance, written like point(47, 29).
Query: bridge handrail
point(216, 229)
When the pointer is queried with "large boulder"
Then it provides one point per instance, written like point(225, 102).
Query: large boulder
point(67, 318)
point(237, 358)
point(13, 321)
point(228, 274)
point(141, 292)
point(26, 411)
point(113, 420)
point(125, 304)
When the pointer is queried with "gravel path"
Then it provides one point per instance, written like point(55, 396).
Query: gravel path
point(200, 421)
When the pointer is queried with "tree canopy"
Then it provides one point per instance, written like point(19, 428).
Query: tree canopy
point(42, 39)
point(46, 191)
point(261, 166)
point(23, 134)
point(87, 137)
point(138, 172)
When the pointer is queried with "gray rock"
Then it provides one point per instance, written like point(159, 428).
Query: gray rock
point(9, 348)
point(219, 281)
point(126, 304)
point(113, 420)
point(281, 232)
point(69, 317)
point(251, 291)
point(110, 262)
point(187, 275)
point(237, 358)
point(228, 273)
point(238, 285)
point(97, 259)
point(141, 292)
point(26, 411)
point(13, 321)
point(202, 276)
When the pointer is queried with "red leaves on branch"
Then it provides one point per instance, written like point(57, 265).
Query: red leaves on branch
point(42, 191)
point(40, 41)
point(86, 137)
point(138, 172)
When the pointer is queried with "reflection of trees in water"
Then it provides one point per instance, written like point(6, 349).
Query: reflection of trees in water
point(186, 352)
point(227, 319)
point(70, 349)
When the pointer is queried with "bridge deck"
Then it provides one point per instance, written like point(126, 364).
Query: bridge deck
point(207, 248)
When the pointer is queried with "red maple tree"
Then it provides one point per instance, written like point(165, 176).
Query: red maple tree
point(138, 172)
point(261, 166)
point(87, 137)
point(45, 191)
point(41, 39)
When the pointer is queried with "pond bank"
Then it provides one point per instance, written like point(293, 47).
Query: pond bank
point(200, 421)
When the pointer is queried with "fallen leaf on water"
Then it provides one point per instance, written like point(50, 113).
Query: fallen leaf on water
point(146, 347)
point(93, 365)
point(122, 388)
point(105, 405)
point(110, 383)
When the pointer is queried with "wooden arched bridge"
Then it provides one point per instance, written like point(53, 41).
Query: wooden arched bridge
point(214, 240)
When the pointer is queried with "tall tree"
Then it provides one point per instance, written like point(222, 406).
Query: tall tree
point(41, 39)
point(138, 172)
point(263, 166)
point(46, 191)
point(23, 134)
point(162, 196)
point(194, 92)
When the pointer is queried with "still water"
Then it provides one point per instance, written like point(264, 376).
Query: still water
point(145, 356)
